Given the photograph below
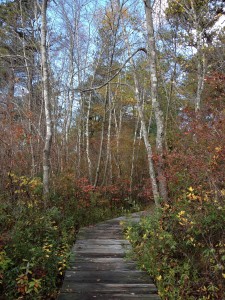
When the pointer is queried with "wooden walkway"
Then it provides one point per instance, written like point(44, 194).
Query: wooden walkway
point(99, 270)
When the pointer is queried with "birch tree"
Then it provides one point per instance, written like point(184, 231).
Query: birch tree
point(196, 19)
point(109, 34)
point(144, 130)
point(155, 101)
point(46, 98)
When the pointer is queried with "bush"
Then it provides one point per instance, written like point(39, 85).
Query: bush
point(36, 241)
point(183, 247)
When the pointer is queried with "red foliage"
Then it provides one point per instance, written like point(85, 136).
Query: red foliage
point(198, 154)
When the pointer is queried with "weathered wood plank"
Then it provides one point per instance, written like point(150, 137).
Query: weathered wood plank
point(88, 296)
point(109, 288)
point(94, 266)
point(98, 269)
point(106, 277)
point(79, 248)
point(103, 242)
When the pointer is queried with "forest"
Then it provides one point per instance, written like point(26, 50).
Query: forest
point(109, 107)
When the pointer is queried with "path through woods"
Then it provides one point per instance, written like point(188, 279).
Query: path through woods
point(99, 268)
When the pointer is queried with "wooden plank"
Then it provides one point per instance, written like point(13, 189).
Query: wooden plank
point(103, 242)
point(100, 259)
point(100, 235)
point(106, 277)
point(93, 266)
point(108, 288)
point(94, 247)
point(107, 297)
point(92, 255)
point(79, 248)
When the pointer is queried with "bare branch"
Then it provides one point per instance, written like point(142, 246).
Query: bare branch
point(117, 73)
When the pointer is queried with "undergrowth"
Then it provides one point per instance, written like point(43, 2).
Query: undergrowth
point(36, 238)
point(182, 246)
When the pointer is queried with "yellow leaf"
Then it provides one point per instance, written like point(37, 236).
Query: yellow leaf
point(218, 149)
point(159, 277)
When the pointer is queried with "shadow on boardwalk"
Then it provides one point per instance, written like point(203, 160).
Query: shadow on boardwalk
point(98, 269)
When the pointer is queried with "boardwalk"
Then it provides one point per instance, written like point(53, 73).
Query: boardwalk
point(99, 270)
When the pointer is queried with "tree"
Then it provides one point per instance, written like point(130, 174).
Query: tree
point(155, 102)
point(196, 24)
point(20, 72)
point(46, 98)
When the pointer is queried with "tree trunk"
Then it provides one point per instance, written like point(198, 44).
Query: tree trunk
point(155, 103)
point(201, 63)
point(144, 131)
point(47, 104)
point(148, 150)
point(201, 69)
point(88, 140)
point(101, 144)
point(118, 133)
point(108, 147)
point(30, 94)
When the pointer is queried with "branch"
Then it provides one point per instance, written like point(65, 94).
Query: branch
point(110, 79)
point(4, 142)
point(124, 84)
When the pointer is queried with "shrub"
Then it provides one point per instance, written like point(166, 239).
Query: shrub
point(36, 241)
point(183, 246)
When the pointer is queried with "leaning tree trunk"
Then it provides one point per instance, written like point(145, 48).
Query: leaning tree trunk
point(47, 105)
point(144, 130)
point(155, 103)
point(148, 150)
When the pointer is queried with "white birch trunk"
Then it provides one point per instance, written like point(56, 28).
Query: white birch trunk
point(118, 128)
point(88, 141)
point(155, 103)
point(108, 147)
point(201, 62)
point(47, 104)
point(101, 144)
point(201, 69)
point(148, 150)
point(144, 132)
